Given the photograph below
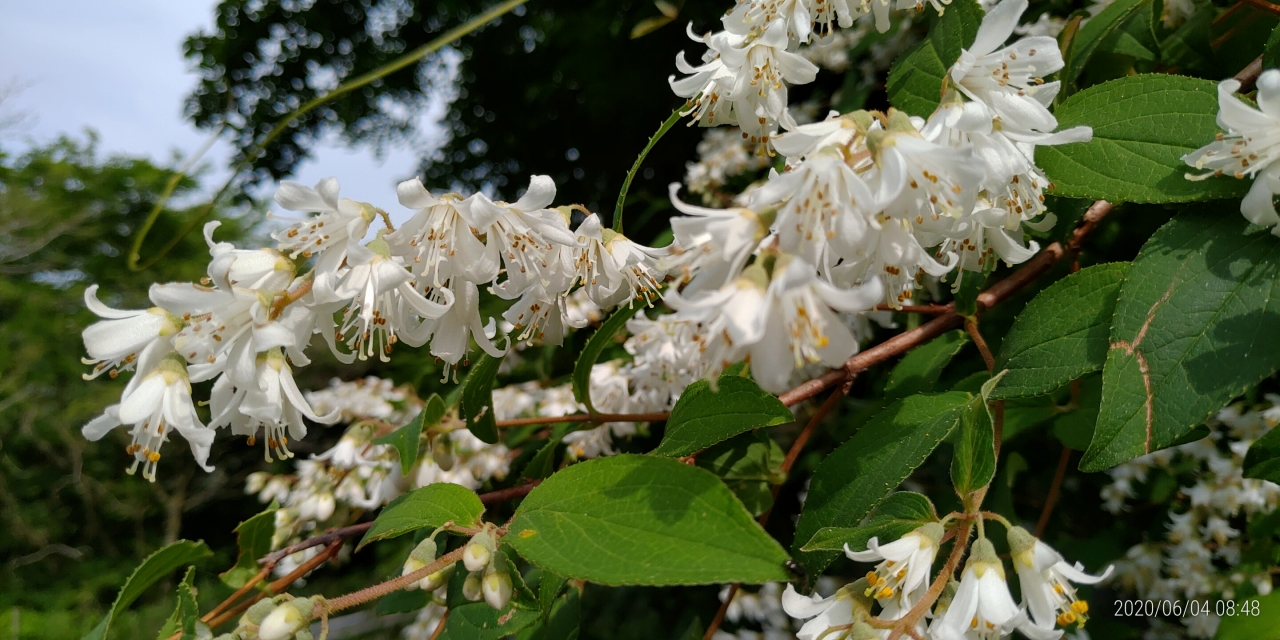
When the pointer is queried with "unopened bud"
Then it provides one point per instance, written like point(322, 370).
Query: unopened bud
point(258, 612)
point(496, 588)
point(471, 587)
point(479, 552)
point(442, 454)
point(286, 620)
point(425, 552)
point(436, 580)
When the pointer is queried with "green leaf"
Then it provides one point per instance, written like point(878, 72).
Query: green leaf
point(1062, 334)
point(560, 621)
point(479, 621)
point(477, 398)
point(1262, 622)
point(900, 513)
point(750, 465)
point(704, 416)
point(974, 463)
point(1093, 33)
point(431, 506)
point(916, 78)
point(543, 462)
point(152, 570)
point(1263, 459)
point(550, 588)
point(254, 537)
point(918, 371)
point(1197, 313)
point(186, 612)
point(596, 344)
point(858, 475)
point(1130, 159)
point(643, 520)
point(1271, 52)
point(406, 438)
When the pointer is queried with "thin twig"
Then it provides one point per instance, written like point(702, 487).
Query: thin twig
point(1063, 461)
point(720, 613)
point(378, 590)
point(440, 627)
point(971, 326)
point(253, 582)
point(320, 540)
point(280, 585)
point(583, 417)
point(503, 495)
point(932, 309)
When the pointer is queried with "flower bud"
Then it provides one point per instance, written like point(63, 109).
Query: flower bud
point(286, 620)
point(258, 612)
point(442, 453)
point(436, 580)
point(471, 587)
point(479, 552)
point(496, 588)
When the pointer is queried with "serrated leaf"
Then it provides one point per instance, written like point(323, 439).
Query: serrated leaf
point(1062, 334)
point(1193, 328)
point(750, 465)
point(703, 416)
point(858, 475)
point(550, 588)
point(596, 344)
point(1130, 159)
point(916, 78)
point(1092, 34)
point(1271, 52)
point(254, 538)
point(431, 506)
point(1263, 459)
point(185, 613)
point(643, 520)
point(477, 398)
point(407, 438)
point(543, 462)
point(152, 570)
point(1074, 429)
point(974, 462)
point(918, 371)
point(560, 621)
point(899, 514)
point(479, 621)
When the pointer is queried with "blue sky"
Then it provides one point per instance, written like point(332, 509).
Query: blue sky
point(117, 67)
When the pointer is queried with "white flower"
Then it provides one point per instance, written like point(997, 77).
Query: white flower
point(744, 80)
point(842, 608)
point(275, 404)
point(1046, 581)
point(1010, 80)
point(614, 269)
point(380, 300)
point(339, 222)
point(263, 269)
point(983, 608)
point(115, 343)
point(823, 207)
point(439, 241)
point(523, 232)
point(156, 401)
point(711, 245)
point(904, 565)
point(1249, 148)
point(452, 332)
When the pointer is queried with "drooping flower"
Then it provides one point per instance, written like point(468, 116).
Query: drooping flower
point(438, 241)
point(1249, 148)
point(275, 405)
point(902, 574)
point(260, 269)
point(156, 402)
point(338, 223)
point(844, 607)
point(1046, 581)
point(612, 268)
point(983, 608)
point(115, 343)
point(711, 245)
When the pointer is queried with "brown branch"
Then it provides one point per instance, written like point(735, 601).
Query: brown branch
point(1063, 461)
point(253, 582)
point(503, 495)
point(933, 309)
point(583, 417)
point(322, 539)
point(280, 585)
point(440, 627)
point(917, 613)
point(1249, 75)
point(378, 590)
point(971, 326)
point(724, 608)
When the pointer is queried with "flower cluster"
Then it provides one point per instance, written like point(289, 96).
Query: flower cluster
point(1201, 554)
point(980, 606)
point(250, 321)
point(863, 199)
